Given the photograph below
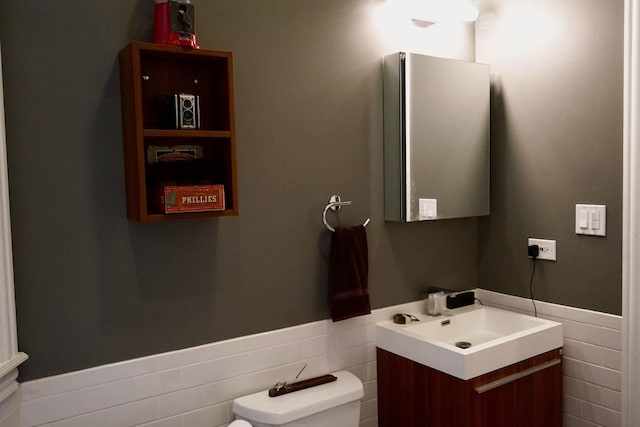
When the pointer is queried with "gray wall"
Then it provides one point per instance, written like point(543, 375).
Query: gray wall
point(92, 287)
point(556, 141)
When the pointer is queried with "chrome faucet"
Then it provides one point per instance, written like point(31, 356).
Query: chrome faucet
point(439, 301)
point(436, 300)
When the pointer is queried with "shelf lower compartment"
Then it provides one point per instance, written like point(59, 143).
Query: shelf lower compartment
point(211, 167)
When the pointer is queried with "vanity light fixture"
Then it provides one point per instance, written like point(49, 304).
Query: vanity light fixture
point(435, 11)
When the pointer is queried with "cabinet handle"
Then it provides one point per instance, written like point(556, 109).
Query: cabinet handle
point(513, 377)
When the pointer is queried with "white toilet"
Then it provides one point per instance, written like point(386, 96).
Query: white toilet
point(335, 404)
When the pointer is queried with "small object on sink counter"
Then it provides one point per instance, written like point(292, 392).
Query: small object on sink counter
point(460, 299)
point(436, 303)
point(402, 318)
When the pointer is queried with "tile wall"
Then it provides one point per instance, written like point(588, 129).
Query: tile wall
point(195, 387)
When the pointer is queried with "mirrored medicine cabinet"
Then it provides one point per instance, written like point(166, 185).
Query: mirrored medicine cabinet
point(436, 138)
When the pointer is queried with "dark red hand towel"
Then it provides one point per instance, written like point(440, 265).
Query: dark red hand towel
point(348, 273)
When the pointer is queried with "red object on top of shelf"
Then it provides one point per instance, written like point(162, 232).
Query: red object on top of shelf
point(174, 23)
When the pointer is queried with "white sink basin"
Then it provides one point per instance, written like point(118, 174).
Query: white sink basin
point(498, 338)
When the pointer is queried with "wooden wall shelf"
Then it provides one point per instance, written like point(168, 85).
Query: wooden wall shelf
point(150, 74)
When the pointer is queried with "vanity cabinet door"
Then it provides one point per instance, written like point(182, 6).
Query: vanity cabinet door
point(397, 403)
point(413, 395)
point(525, 394)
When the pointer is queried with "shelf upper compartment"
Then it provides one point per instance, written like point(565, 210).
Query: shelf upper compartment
point(169, 70)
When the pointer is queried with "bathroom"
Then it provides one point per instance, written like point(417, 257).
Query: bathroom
point(103, 299)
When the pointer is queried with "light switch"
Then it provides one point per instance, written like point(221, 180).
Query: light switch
point(595, 220)
point(583, 218)
point(591, 220)
point(428, 208)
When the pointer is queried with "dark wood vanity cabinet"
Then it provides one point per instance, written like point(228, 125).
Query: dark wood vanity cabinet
point(525, 394)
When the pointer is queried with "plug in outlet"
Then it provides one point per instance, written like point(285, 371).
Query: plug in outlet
point(547, 248)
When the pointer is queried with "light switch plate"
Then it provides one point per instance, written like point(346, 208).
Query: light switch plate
point(428, 209)
point(591, 220)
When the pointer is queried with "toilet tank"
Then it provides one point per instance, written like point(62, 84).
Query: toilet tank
point(335, 404)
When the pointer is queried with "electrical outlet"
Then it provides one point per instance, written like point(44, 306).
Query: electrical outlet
point(547, 248)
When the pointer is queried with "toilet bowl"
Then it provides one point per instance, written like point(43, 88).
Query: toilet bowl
point(335, 404)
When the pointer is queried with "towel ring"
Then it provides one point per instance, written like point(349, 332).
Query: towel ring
point(335, 204)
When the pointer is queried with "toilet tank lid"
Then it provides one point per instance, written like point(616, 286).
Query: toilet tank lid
point(284, 409)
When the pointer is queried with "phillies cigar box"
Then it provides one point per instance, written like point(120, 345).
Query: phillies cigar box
point(193, 198)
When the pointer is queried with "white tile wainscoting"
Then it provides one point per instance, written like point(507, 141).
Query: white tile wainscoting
point(195, 387)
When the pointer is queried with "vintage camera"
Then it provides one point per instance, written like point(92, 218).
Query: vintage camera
point(186, 109)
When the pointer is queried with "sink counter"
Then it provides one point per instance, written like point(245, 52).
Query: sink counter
point(498, 338)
